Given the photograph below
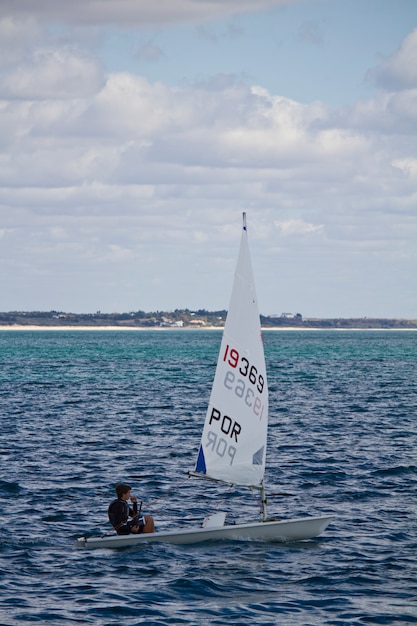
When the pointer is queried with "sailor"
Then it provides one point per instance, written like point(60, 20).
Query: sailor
point(119, 513)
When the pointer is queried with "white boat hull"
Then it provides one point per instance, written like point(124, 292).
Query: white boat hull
point(275, 531)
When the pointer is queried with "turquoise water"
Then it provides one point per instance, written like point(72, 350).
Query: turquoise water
point(83, 410)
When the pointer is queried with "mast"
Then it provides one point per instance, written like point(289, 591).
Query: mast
point(264, 502)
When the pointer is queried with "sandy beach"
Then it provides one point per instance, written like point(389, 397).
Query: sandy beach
point(106, 328)
point(185, 328)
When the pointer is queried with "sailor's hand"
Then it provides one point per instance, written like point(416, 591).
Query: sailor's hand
point(135, 529)
point(133, 499)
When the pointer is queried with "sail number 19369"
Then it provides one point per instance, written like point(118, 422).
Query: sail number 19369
point(249, 374)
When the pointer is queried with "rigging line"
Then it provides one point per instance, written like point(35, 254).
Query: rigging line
point(220, 502)
point(151, 503)
point(258, 502)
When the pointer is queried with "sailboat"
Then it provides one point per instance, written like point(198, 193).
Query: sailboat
point(234, 438)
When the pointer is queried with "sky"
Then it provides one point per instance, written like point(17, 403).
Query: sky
point(133, 134)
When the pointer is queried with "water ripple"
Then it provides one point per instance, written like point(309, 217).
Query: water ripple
point(81, 411)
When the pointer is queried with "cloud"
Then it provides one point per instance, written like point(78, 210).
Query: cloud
point(400, 70)
point(387, 113)
point(130, 127)
point(136, 12)
point(297, 227)
point(124, 129)
point(16, 36)
point(407, 166)
point(53, 74)
point(106, 174)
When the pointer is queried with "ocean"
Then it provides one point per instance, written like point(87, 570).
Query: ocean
point(82, 410)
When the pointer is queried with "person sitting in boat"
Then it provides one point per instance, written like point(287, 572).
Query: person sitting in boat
point(119, 512)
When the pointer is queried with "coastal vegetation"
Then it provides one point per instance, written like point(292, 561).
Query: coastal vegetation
point(184, 318)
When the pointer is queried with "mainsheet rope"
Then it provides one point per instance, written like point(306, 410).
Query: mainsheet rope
point(151, 504)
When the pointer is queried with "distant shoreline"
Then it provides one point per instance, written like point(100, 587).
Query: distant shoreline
point(20, 327)
point(184, 319)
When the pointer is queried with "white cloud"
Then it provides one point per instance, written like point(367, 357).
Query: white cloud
point(16, 36)
point(53, 74)
point(136, 12)
point(394, 112)
point(297, 227)
point(400, 70)
point(130, 127)
point(408, 166)
point(173, 141)
point(103, 171)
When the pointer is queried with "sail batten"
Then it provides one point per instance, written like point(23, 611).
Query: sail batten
point(233, 443)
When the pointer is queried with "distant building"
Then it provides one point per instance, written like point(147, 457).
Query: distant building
point(197, 323)
point(171, 324)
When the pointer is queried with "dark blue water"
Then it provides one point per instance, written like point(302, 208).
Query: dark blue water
point(82, 410)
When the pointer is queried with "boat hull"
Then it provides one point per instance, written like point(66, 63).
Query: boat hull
point(271, 531)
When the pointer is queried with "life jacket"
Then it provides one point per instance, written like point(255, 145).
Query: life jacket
point(118, 513)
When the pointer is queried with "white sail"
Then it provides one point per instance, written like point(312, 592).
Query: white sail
point(233, 444)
